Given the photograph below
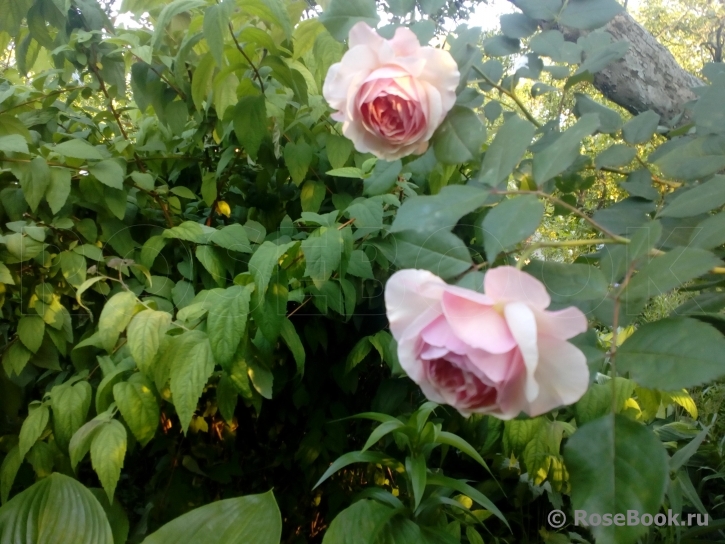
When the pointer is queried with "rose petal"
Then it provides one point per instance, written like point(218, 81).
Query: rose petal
point(563, 375)
point(439, 333)
point(477, 324)
point(522, 323)
point(508, 284)
point(563, 324)
point(362, 34)
point(405, 43)
point(409, 294)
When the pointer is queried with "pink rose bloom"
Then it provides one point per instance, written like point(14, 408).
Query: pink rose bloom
point(391, 95)
point(499, 353)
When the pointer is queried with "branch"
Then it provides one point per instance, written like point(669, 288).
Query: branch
point(510, 94)
point(574, 210)
point(241, 50)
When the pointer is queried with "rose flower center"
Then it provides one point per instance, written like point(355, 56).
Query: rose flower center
point(388, 114)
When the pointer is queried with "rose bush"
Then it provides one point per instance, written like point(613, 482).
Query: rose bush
point(391, 95)
point(499, 352)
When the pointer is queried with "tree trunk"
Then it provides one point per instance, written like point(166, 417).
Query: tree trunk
point(648, 77)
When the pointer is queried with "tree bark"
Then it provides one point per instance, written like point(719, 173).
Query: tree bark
point(648, 77)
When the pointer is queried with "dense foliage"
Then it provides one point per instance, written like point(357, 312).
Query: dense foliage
point(193, 259)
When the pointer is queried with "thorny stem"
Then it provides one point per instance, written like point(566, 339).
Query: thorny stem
point(512, 95)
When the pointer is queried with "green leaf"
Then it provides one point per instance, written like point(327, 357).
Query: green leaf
point(609, 120)
point(615, 465)
point(560, 154)
point(70, 405)
point(144, 336)
point(78, 149)
point(74, 267)
point(368, 214)
point(462, 487)
point(293, 342)
point(383, 178)
point(347, 172)
point(356, 457)
point(13, 143)
point(358, 523)
point(250, 123)
point(501, 46)
point(692, 159)
point(615, 156)
point(35, 182)
point(518, 25)
point(216, 27)
point(323, 252)
point(442, 253)
point(8, 471)
point(417, 472)
point(298, 157)
point(700, 199)
point(108, 450)
point(589, 14)
point(506, 150)
point(32, 428)
point(546, 10)
point(190, 231)
point(55, 509)
point(263, 262)
point(254, 518)
point(210, 260)
point(312, 195)
point(460, 138)
point(511, 222)
point(269, 310)
point(338, 150)
point(664, 273)
point(567, 282)
point(227, 321)
point(138, 406)
point(625, 216)
point(551, 43)
point(341, 15)
point(115, 317)
point(5, 276)
point(167, 15)
point(460, 444)
point(359, 265)
point(272, 11)
point(191, 367)
point(201, 84)
point(109, 173)
point(672, 354)
point(31, 330)
point(304, 37)
point(116, 515)
point(227, 398)
point(641, 128)
point(438, 213)
point(615, 260)
point(710, 233)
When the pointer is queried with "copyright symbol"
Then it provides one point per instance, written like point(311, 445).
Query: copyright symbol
point(556, 519)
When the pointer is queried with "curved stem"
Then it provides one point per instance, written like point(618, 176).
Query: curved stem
point(512, 95)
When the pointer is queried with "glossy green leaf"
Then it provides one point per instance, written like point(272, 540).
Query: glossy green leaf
point(460, 137)
point(699, 199)
point(144, 336)
point(506, 150)
point(615, 465)
point(254, 518)
point(108, 451)
point(227, 321)
point(440, 252)
point(78, 149)
point(511, 222)
point(341, 15)
point(641, 128)
point(138, 406)
point(191, 367)
point(438, 213)
point(560, 154)
point(672, 354)
point(383, 177)
point(32, 428)
point(55, 509)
